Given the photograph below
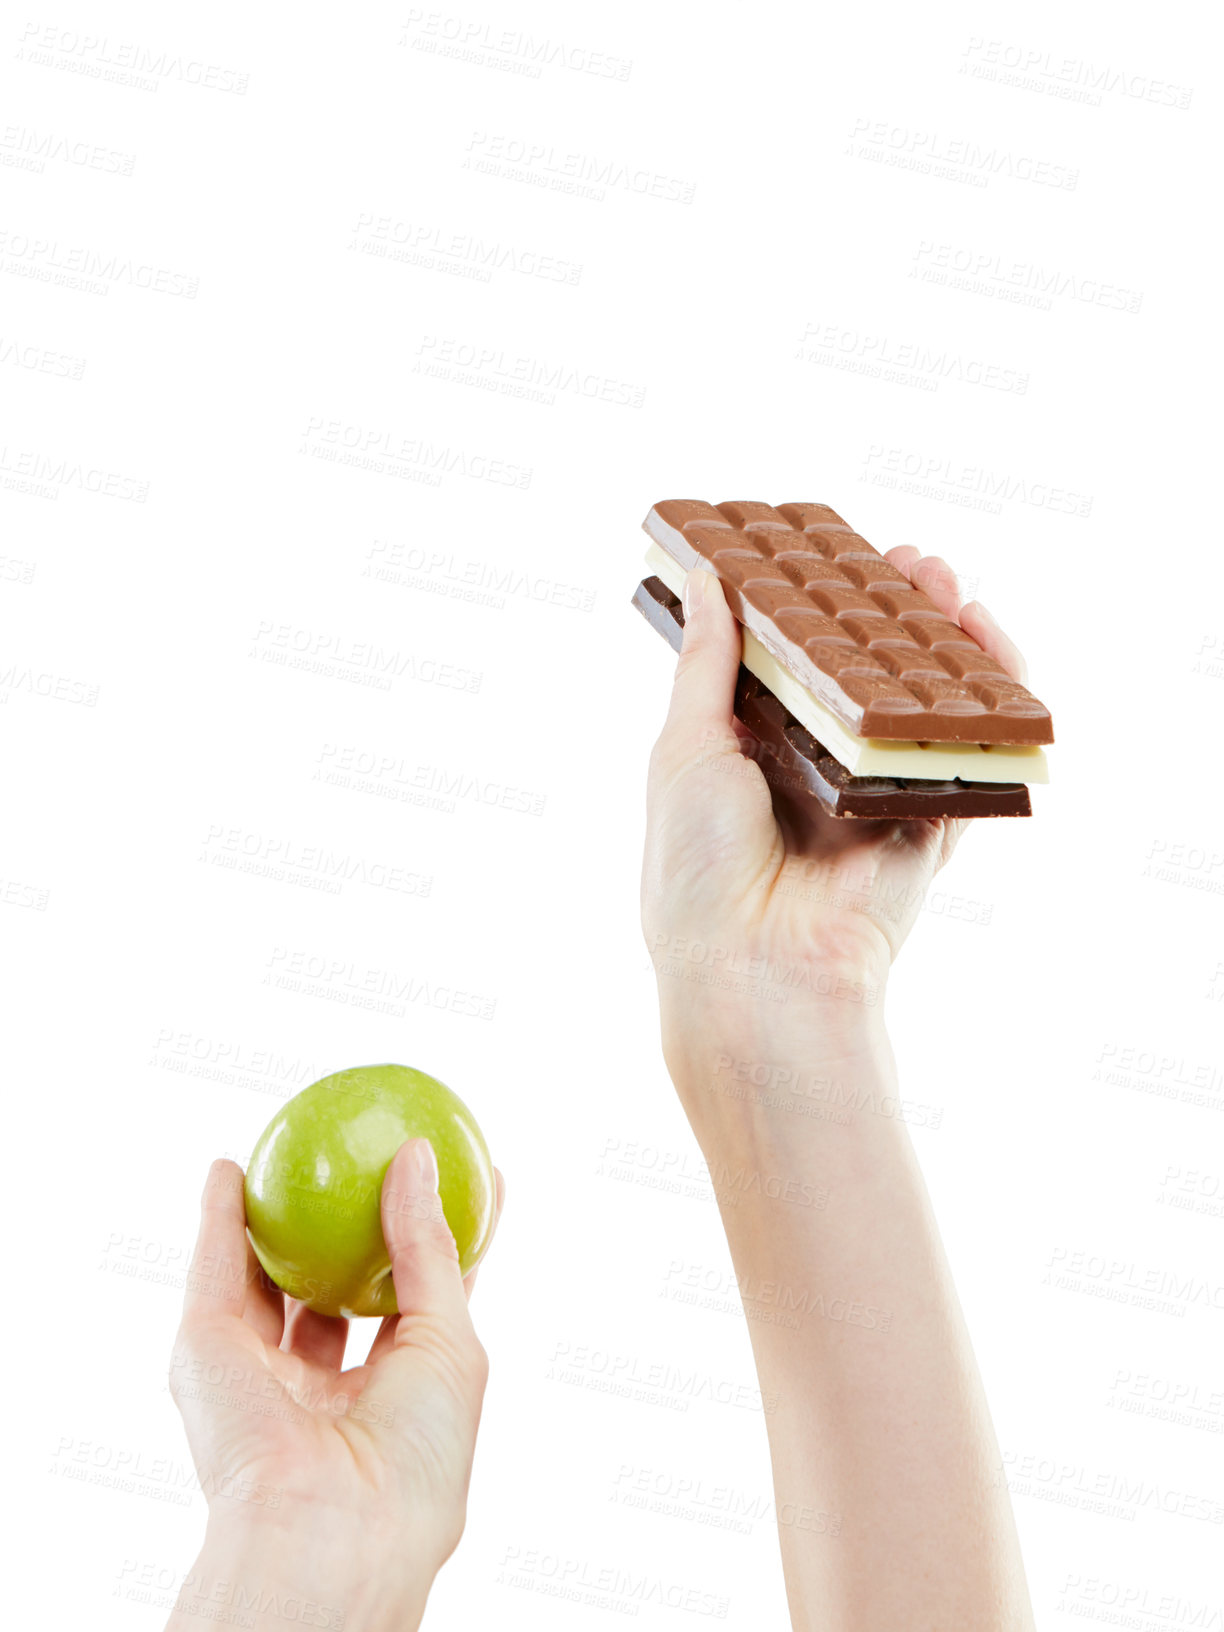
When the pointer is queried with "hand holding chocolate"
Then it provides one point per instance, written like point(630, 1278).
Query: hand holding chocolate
point(861, 693)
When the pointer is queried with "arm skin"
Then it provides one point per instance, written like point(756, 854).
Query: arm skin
point(893, 1516)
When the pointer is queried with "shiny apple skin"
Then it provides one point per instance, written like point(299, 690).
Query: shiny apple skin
point(314, 1182)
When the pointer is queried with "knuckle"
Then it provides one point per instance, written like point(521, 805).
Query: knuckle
point(414, 1218)
point(452, 1532)
point(692, 653)
point(668, 758)
point(438, 1232)
point(176, 1367)
point(434, 1241)
point(476, 1361)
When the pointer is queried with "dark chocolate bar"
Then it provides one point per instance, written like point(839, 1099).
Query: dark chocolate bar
point(848, 625)
point(795, 764)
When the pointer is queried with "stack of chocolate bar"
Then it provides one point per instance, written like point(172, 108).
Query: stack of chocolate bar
point(861, 694)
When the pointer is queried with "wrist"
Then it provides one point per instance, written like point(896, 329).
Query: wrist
point(304, 1569)
point(829, 982)
point(739, 1065)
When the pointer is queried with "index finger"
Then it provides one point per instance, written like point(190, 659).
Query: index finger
point(935, 578)
point(976, 621)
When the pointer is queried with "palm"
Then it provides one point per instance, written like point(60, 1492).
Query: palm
point(291, 1413)
point(839, 877)
point(811, 886)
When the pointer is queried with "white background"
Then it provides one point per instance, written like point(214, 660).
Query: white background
point(668, 251)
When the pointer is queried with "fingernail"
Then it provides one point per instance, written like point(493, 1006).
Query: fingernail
point(982, 612)
point(695, 583)
point(426, 1165)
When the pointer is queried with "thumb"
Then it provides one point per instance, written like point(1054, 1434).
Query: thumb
point(700, 716)
point(424, 1258)
point(428, 1383)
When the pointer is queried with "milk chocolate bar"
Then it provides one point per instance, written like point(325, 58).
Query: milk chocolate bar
point(871, 756)
point(796, 765)
point(876, 656)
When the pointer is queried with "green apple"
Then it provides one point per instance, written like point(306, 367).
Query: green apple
point(314, 1182)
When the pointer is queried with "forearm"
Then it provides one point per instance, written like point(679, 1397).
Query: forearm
point(267, 1578)
point(891, 1506)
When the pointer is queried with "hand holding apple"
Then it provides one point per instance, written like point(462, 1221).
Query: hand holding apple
point(309, 1469)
